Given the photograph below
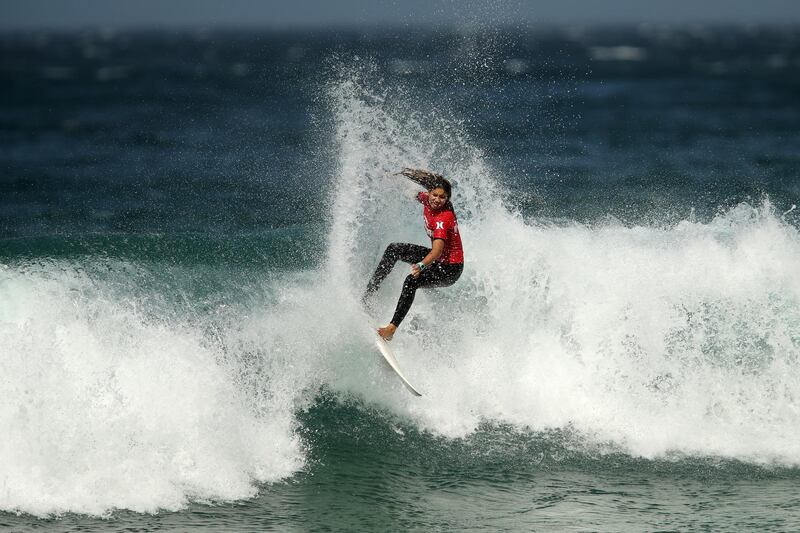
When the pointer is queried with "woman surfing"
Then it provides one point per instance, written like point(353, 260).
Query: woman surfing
point(438, 266)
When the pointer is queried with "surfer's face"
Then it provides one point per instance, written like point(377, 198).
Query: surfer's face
point(437, 198)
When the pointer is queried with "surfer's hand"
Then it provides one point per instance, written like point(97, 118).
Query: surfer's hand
point(415, 271)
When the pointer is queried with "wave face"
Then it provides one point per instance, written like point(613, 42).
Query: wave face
point(144, 386)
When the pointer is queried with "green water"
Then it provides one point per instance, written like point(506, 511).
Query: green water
point(370, 472)
point(180, 265)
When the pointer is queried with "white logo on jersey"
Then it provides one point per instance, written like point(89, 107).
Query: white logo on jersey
point(440, 225)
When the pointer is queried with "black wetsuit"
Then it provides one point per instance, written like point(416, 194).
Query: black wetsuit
point(435, 275)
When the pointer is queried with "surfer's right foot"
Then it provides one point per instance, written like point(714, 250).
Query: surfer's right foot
point(387, 331)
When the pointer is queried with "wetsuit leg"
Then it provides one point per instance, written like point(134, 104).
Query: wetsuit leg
point(397, 251)
point(437, 275)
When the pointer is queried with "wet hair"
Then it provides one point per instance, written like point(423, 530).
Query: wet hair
point(429, 180)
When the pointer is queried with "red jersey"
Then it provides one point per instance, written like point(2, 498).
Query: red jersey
point(443, 225)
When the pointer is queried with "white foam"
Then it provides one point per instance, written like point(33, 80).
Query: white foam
point(681, 339)
point(104, 408)
point(658, 340)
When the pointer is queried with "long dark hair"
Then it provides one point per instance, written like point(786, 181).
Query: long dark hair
point(430, 180)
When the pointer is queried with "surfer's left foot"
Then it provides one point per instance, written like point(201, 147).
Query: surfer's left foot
point(387, 332)
point(367, 302)
point(367, 305)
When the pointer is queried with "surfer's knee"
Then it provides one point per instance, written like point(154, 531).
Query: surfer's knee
point(392, 250)
point(411, 283)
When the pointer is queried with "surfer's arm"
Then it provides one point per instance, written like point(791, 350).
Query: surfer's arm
point(437, 247)
point(411, 190)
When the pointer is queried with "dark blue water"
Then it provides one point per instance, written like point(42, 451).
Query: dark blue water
point(176, 128)
point(187, 219)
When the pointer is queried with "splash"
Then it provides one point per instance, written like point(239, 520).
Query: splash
point(656, 340)
point(659, 340)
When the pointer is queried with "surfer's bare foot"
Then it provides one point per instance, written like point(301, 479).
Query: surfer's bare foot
point(387, 331)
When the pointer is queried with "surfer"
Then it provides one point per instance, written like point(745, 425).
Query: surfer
point(438, 266)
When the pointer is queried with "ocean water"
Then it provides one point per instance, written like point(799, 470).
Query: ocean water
point(188, 218)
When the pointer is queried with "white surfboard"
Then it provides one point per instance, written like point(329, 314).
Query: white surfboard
point(387, 354)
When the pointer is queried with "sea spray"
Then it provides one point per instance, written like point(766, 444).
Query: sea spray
point(376, 138)
point(659, 339)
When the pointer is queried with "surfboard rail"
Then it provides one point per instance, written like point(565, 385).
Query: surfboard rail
point(390, 358)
